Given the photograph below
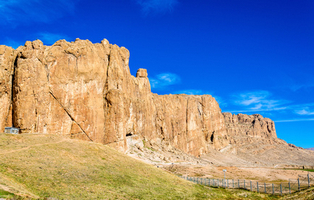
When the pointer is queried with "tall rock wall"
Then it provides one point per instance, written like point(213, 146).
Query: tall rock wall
point(249, 125)
point(59, 89)
point(7, 59)
point(86, 91)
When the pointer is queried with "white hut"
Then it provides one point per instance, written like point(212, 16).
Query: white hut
point(11, 130)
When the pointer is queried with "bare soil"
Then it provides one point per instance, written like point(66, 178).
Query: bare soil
point(259, 160)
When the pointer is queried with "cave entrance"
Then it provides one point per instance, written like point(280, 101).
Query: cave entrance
point(128, 134)
point(212, 138)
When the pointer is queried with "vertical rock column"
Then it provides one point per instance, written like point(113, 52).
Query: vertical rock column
point(7, 59)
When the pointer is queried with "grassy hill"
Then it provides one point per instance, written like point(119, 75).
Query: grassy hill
point(52, 166)
point(41, 166)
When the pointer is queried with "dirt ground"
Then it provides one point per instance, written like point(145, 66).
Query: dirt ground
point(260, 161)
point(248, 173)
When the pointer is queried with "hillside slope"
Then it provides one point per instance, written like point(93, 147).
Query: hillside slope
point(39, 166)
point(52, 166)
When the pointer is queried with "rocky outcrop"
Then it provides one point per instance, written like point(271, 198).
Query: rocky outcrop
point(249, 126)
point(7, 60)
point(86, 91)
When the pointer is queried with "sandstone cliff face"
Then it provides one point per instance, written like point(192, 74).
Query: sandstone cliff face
point(86, 91)
point(191, 123)
point(7, 58)
point(249, 125)
point(59, 89)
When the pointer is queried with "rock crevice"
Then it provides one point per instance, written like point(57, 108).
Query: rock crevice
point(73, 120)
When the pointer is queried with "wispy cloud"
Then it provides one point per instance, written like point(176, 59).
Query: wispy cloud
point(295, 120)
point(258, 101)
point(163, 80)
point(265, 102)
point(157, 6)
point(14, 12)
point(257, 110)
point(297, 87)
point(304, 111)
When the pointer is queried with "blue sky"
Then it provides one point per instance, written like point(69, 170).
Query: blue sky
point(252, 56)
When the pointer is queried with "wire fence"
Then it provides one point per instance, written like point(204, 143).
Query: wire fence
point(282, 188)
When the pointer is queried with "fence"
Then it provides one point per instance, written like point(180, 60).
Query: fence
point(270, 188)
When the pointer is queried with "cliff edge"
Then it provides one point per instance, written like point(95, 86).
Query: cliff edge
point(86, 91)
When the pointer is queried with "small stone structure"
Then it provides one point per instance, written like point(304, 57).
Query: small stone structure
point(12, 130)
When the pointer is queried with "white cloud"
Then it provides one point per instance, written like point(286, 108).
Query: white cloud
point(295, 120)
point(304, 111)
point(258, 101)
point(14, 12)
point(157, 6)
point(257, 110)
point(163, 80)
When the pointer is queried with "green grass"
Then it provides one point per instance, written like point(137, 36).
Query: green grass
point(308, 170)
point(307, 194)
point(41, 166)
point(5, 194)
point(145, 146)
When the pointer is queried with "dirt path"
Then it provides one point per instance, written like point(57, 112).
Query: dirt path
point(15, 188)
point(35, 145)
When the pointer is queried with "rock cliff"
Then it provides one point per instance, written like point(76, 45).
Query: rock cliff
point(249, 125)
point(86, 91)
point(7, 58)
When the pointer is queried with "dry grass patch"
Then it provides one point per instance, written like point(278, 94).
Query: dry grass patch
point(52, 166)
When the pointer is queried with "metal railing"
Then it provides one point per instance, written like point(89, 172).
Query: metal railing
point(257, 186)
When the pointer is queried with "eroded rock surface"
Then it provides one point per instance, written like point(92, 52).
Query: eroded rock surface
point(7, 59)
point(86, 91)
point(249, 125)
